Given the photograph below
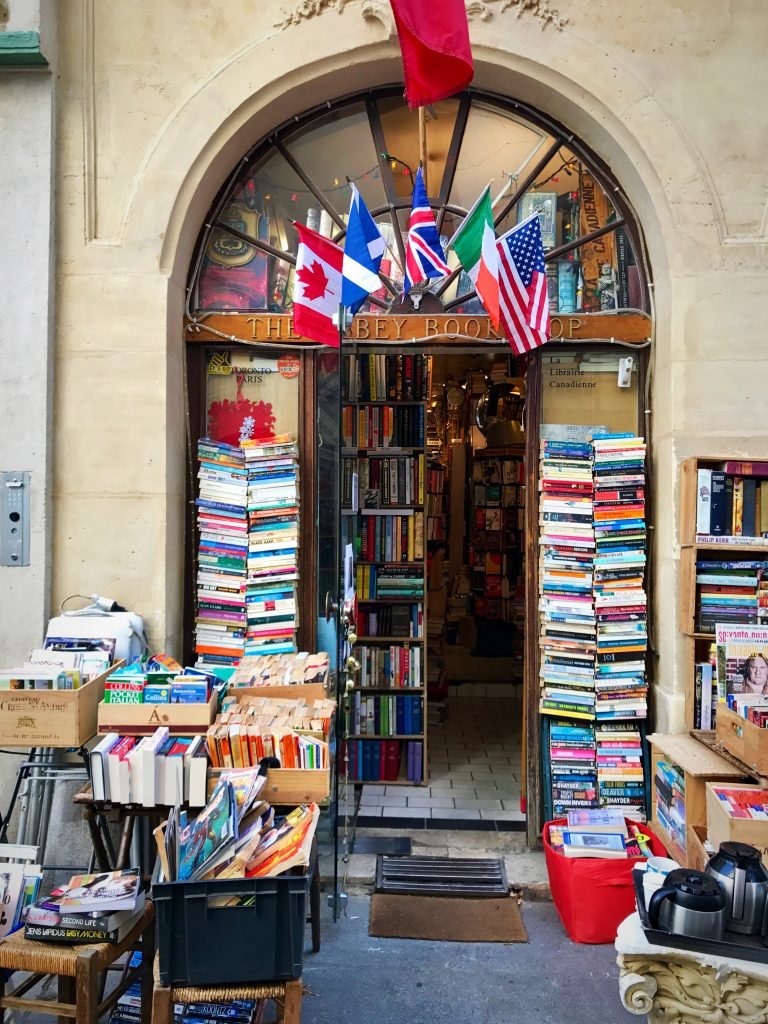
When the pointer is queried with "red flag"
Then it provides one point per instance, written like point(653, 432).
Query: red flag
point(434, 42)
point(317, 291)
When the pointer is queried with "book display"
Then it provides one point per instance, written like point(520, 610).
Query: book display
point(248, 518)
point(593, 620)
point(724, 568)
point(386, 490)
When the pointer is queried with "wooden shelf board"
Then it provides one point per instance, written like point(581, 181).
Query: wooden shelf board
point(709, 738)
point(693, 756)
point(404, 599)
point(388, 782)
point(384, 401)
point(396, 565)
point(734, 545)
point(673, 848)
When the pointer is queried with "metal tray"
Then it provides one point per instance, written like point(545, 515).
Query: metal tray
point(738, 947)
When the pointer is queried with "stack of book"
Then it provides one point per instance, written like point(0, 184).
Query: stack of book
point(237, 1011)
point(221, 566)
point(288, 729)
point(272, 470)
point(396, 666)
point(732, 501)
point(387, 715)
point(670, 800)
point(599, 833)
point(620, 778)
point(90, 908)
point(391, 482)
point(705, 694)
point(731, 591)
point(158, 680)
point(155, 771)
point(378, 377)
point(567, 551)
point(618, 584)
point(279, 670)
point(572, 765)
point(383, 426)
point(374, 582)
point(400, 620)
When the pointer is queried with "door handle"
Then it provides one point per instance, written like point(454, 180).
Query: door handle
point(331, 607)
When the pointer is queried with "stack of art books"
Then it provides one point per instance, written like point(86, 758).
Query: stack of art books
point(222, 520)
point(567, 552)
point(272, 469)
point(618, 584)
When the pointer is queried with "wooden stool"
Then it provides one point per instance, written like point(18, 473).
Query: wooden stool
point(286, 994)
point(78, 969)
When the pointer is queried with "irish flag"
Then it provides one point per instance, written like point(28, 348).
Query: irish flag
point(475, 245)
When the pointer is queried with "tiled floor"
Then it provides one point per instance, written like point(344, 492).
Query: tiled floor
point(474, 762)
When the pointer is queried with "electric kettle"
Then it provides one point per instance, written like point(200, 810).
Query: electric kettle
point(689, 903)
point(740, 872)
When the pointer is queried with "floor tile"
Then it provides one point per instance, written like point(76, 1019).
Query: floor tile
point(503, 815)
point(461, 813)
point(405, 812)
point(430, 801)
point(472, 805)
point(393, 801)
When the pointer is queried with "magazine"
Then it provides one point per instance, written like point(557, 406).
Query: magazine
point(107, 891)
point(742, 660)
point(209, 834)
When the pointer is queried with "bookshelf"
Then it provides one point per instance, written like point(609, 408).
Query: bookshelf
point(497, 537)
point(737, 498)
point(385, 488)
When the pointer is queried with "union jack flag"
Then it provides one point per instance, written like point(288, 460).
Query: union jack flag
point(523, 300)
point(424, 256)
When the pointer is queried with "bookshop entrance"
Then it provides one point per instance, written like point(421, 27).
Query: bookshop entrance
point(433, 509)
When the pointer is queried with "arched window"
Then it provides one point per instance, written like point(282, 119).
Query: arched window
point(246, 252)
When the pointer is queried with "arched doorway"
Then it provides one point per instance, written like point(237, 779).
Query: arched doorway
point(240, 291)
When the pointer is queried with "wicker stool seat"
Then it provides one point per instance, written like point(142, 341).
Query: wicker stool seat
point(78, 969)
point(286, 994)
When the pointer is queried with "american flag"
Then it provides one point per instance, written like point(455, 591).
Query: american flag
point(523, 300)
point(424, 256)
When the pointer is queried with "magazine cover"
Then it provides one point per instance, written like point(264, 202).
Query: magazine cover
point(213, 829)
point(110, 890)
point(742, 660)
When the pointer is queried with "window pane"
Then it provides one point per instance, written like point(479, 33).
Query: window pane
point(338, 146)
point(401, 136)
point(581, 388)
point(250, 394)
point(496, 146)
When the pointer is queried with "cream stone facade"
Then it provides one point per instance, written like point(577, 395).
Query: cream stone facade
point(157, 101)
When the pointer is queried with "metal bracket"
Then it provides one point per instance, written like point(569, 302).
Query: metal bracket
point(14, 518)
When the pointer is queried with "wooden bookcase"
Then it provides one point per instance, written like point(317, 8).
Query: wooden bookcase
point(699, 641)
point(388, 388)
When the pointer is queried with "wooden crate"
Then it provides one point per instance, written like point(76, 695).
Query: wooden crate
point(699, 764)
point(308, 692)
point(722, 828)
point(290, 786)
point(51, 718)
point(696, 856)
point(745, 740)
point(143, 719)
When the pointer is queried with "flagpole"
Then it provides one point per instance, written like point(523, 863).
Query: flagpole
point(469, 213)
point(423, 145)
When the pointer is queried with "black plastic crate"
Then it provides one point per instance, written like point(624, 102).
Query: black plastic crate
point(202, 943)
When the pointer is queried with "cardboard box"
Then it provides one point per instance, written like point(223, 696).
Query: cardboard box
point(143, 719)
point(723, 828)
point(745, 740)
point(696, 856)
point(51, 718)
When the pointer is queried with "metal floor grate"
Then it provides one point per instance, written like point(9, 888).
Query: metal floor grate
point(441, 876)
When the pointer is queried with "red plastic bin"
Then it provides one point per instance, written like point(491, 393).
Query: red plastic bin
point(592, 895)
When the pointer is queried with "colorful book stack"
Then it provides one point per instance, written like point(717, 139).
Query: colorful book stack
point(567, 551)
point(620, 780)
point(385, 760)
point(572, 765)
point(383, 426)
point(221, 570)
point(731, 591)
point(272, 469)
point(391, 482)
point(155, 771)
point(620, 599)
point(670, 800)
point(377, 377)
point(397, 666)
point(387, 715)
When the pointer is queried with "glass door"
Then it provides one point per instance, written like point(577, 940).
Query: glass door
point(328, 504)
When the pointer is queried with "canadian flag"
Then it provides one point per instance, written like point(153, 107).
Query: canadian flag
point(317, 292)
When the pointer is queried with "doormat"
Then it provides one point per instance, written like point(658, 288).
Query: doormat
point(446, 918)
